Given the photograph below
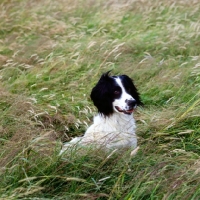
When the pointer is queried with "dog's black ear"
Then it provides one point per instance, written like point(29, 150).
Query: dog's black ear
point(101, 95)
point(131, 89)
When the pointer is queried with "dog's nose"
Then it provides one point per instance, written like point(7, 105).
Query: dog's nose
point(131, 103)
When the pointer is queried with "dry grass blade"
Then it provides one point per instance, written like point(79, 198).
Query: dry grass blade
point(53, 52)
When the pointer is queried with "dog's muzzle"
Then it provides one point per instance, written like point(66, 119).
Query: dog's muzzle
point(131, 106)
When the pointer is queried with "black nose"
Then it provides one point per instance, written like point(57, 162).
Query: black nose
point(131, 103)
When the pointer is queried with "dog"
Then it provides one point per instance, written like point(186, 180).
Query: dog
point(116, 98)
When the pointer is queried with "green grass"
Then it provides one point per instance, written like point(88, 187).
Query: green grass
point(51, 55)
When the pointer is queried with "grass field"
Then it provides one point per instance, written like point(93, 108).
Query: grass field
point(51, 55)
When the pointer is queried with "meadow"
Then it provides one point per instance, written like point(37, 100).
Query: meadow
point(51, 55)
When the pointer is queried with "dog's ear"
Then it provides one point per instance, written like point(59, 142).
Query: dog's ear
point(101, 95)
point(131, 89)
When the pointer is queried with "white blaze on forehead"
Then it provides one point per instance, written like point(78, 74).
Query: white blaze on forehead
point(119, 82)
point(124, 94)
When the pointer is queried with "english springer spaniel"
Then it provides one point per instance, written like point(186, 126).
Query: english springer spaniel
point(116, 98)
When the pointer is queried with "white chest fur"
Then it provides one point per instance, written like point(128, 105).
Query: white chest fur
point(116, 131)
point(113, 132)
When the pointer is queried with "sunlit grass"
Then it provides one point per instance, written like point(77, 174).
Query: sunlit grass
point(51, 55)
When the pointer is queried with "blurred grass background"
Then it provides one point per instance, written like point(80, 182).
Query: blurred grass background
point(51, 55)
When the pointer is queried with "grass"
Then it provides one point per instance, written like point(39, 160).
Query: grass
point(51, 55)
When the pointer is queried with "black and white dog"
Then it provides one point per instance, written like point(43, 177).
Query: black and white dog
point(116, 98)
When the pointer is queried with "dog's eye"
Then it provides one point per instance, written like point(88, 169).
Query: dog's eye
point(116, 92)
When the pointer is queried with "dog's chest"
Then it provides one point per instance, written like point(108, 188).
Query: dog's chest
point(115, 123)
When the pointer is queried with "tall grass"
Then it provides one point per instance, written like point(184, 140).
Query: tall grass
point(51, 55)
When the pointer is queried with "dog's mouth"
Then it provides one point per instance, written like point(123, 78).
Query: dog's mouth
point(128, 112)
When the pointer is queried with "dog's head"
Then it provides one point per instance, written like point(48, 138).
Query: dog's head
point(115, 94)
